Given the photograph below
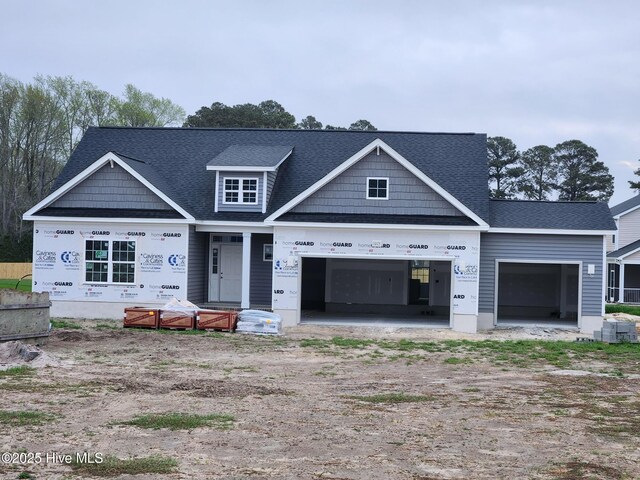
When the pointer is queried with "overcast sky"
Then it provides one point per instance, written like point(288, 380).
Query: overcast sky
point(534, 71)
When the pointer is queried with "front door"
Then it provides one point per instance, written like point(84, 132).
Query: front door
point(225, 281)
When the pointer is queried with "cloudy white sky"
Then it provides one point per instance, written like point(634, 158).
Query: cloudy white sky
point(538, 72)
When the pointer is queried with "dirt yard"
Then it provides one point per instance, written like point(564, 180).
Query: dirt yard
point(327, 403)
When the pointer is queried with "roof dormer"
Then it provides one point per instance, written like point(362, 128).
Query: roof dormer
point(245, 175)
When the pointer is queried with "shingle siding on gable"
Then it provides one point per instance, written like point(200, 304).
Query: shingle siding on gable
point(271, 180)
point(228, 207)
point(346, 193)
point(629, 228)
point(552, 248)
point(111, 188)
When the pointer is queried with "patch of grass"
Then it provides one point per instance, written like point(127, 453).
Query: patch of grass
point(182, 421)
point(65, 324)
point(392, 398)
point(18, 418)
point(21, 371)
point(25, 475)
point(23, 286)
point(457, 360)
point(107, 326)
point(112, 466)
point(617, 308)
point(520, 353)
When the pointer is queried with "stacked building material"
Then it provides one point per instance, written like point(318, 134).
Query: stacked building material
point(258, 321)
point(614, 331)
point(216, 320)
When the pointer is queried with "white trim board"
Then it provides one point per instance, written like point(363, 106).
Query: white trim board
point(108, 157)
point(545, 231)
point(156, 221)
point(375, 226)
point(376, 144)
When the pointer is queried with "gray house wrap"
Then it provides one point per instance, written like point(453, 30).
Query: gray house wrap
point(552, 248)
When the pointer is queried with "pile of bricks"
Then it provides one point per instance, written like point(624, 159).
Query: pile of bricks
point(617, 332)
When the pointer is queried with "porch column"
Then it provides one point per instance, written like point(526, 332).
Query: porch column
point(246, 269)
point(621, 284)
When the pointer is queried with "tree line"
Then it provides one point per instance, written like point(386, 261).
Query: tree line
point(569, 171)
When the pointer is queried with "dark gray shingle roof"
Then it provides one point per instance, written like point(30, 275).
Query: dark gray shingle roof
point(624, 250)
point(174, 160)
point(551, 215)
point(626, 205)
point(251, 156)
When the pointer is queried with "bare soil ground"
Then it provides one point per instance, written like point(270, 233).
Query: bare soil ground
point(334, 403)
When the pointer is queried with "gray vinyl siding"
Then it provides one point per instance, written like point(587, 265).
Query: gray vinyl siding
point(554, 248)
point(260, 285)
point(111, 188)
point(347, 193)
point(227, 207)
point(271, 179)
point(198, 261)
point(629, 228)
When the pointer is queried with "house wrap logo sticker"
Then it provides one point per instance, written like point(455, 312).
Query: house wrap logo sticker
point(177, 261)
point(70, 260)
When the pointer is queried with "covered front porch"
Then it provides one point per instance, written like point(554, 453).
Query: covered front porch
point(232, 268)
point(623, 274)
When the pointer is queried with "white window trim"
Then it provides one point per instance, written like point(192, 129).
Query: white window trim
point(377, 178)
point(264, 252)
point(240, 190)
point(109, 262)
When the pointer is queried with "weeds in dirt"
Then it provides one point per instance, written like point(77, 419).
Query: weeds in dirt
point(113, 466)
point(21, 371)
point(65, 324)
point(107, 326)
point(578, 470)
point(21, 385)
point(457, 360)
point(18, 418)
point(25, 475)
point(182, 421)
point(519, 353)
point(392, 398)
point(202, 333)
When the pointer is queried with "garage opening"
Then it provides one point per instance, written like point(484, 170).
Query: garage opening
point(355, 291)
point(538, 293)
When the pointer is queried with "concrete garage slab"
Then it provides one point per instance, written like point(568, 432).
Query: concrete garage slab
point(313, 317)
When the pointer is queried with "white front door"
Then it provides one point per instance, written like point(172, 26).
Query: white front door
point(214, 273)
point(230, 273)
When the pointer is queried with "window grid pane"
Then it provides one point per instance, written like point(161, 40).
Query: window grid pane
point(377, 188)
point(124, 256)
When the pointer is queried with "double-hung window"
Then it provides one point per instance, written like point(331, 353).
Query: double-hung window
point(242, 191)
point(110, 261)
point(377, 188)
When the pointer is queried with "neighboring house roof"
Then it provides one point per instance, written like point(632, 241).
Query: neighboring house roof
point(626, 205)
point(266, 157)
point(551, 215)
point(174, 160)
point(624, 251)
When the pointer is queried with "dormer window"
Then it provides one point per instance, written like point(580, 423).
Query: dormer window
point(377, 188)
point(242, 191)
